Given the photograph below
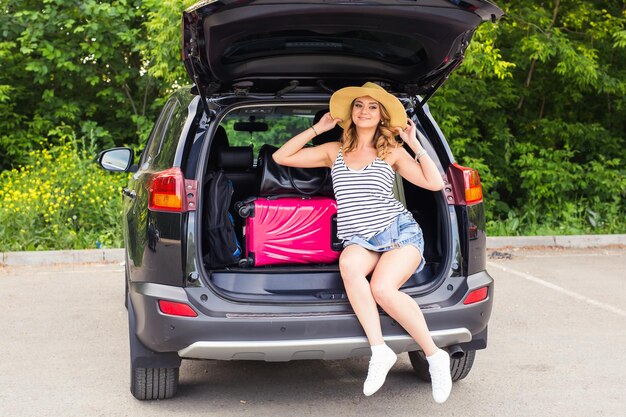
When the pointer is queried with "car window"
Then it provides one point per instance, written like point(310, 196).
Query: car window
point(243, 127)
point(171, 136)
point(158, 133)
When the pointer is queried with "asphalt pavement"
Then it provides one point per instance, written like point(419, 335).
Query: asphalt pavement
point(556, 348)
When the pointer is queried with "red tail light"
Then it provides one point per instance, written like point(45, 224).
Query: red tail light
point(473, 187)
point(176, 309)
point(166, 191)
point(466, 184)
point(476, 296)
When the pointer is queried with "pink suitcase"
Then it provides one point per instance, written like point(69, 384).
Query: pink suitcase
point(290, 230)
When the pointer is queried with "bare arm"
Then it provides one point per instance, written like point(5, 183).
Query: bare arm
point(423, 173)
point(294, 154)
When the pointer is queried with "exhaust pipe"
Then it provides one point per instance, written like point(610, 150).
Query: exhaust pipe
point(455, 352)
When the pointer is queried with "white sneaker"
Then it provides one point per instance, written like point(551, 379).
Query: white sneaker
point(380, 364)
point(439, 368)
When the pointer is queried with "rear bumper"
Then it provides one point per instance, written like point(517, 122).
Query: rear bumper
point(337, 348)
point(284, 333)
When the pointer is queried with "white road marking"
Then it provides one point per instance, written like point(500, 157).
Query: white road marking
point(576, 255)
point(560, 289)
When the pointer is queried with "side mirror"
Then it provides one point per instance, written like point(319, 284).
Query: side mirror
point(116, 159)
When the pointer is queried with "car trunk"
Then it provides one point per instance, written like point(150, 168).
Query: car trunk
point(319, 282)
point(314, 282)
point(269, 50)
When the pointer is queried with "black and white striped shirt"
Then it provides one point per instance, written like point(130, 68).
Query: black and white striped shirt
point(365, 202)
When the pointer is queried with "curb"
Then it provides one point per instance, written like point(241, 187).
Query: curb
point(117, 255)
point(61, 257)
point(567, 241)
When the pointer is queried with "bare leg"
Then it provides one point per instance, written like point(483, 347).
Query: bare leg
point(355, 264)
point(392, 270)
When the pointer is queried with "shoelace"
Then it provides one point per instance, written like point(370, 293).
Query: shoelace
point(375, 368)
point(437, 376)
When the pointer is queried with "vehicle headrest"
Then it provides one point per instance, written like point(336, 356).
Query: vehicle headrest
point(220, 141)
point(235, 157)
point(333, 135)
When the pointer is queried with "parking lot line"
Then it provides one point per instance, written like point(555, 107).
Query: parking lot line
point(560, 289)
point(576, 255)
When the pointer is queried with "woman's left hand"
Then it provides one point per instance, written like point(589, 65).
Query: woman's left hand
point(409, 134)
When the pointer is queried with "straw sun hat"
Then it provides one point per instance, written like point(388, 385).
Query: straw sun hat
point(341, 103)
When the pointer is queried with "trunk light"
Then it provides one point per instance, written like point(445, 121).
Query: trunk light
point(176, 309)
point(166, 191)
point(476, 296)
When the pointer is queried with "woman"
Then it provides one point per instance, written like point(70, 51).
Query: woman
point(380, 236)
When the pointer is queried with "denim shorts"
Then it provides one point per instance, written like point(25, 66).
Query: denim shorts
point(403, 231)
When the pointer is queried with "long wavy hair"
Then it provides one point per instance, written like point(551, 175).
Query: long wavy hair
point(384, 137)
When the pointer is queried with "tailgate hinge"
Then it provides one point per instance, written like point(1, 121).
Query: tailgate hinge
point(242, 88)
point(191, 191)
point(439, 80)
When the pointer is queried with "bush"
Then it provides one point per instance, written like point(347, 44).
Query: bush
point(60, 200)
point(558, 195)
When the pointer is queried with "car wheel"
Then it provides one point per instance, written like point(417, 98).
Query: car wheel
point(459, 367)
point(153, 383)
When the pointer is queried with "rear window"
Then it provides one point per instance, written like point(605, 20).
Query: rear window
point(274, 125)
point(391, 48)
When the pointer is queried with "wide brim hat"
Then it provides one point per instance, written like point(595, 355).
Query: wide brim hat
point(341, 103)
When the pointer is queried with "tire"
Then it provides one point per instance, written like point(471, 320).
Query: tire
point(153, 383)
point(459, 367)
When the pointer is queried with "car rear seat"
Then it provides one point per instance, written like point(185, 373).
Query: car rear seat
point(237, 164)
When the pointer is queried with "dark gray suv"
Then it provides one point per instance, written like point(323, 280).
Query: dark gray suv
point(261, 71)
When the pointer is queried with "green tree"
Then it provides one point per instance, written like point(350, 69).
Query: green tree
point(539, 108)
point(75, 63)
point(162, 47)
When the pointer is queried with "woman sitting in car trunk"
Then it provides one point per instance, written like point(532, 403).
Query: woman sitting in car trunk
point(380, 236)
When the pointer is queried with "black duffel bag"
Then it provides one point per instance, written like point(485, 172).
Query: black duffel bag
point(280, 180)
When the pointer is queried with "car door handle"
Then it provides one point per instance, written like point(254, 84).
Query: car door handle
point(129, 193)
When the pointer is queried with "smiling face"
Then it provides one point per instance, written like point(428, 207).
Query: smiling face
point(366, 112)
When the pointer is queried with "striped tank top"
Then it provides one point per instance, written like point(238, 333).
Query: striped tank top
point(365, 202)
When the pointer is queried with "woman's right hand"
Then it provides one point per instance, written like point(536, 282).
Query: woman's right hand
point(294, 154)
point(326, 123)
